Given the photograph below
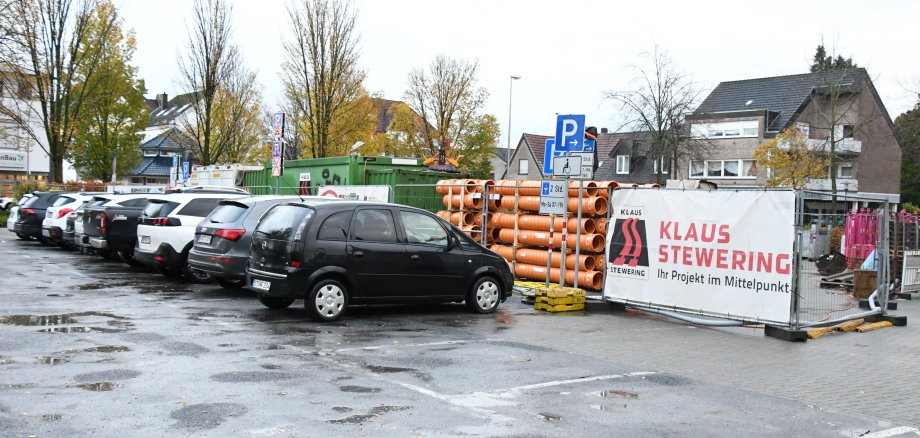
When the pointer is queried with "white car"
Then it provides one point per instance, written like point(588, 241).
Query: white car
point(166, 231)
point(6, 202)
point(14, 212)
point(55, 220)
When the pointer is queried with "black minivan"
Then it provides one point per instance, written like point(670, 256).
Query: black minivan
point(337, 254)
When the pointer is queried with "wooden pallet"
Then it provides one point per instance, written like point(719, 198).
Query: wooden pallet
point(841, 280)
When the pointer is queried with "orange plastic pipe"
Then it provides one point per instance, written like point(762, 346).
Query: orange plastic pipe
point(589, 242)
point(589, 188)
point(525, 187)
point(601, 225)
point(592, 205)
point(457, 218)
point(538, 257)
point(586, 279)
point(474, 231)
point(469, 201)
point(600, 263)
point(540, 223)
point(477, 219)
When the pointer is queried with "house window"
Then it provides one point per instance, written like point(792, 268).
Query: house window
point(738, 129)
point(844, 131)
point(845, 170)
point(736, 169)
point(622, 164)
point(522, 167)
point(662, 165)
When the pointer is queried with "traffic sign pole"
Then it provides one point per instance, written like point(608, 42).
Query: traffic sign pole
point(565, 235)
point(578, 234)
point(549, 258)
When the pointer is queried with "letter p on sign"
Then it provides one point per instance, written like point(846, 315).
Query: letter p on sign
point(570, 133)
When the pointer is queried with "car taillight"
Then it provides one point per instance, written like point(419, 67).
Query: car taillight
point(167, 221)
point(26, 211)
point(232, 234)
point(102, 221)
point(64, 212)
point(294, 263)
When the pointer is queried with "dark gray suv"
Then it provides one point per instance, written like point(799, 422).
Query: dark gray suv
point(337, 254)
point(221, 245)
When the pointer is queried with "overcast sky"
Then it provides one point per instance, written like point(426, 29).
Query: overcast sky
point(567, 52)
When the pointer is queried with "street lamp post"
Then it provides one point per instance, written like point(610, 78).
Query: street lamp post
point(508, 149)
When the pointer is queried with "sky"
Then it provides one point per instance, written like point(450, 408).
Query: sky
point(568, 53)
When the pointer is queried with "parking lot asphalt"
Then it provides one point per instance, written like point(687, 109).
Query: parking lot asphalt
point(93, 347)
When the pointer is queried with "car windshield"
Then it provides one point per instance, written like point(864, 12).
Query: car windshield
point(159, 208)
point(227, 213)
point(281, 221)
point(63, 200)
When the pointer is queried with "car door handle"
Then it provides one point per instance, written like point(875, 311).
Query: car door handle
point(359, 253)
point(415, 257)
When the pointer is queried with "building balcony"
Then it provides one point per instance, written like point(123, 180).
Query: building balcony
point(824, 184)
point(846, 146)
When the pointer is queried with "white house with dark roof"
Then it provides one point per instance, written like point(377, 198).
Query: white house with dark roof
point(738, 116)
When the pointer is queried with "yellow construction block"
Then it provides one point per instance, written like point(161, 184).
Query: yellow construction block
point(559, 307)
point(818, 332)
point(850, 325)
point(557, 301)
point(560, 292)
point(873, 326)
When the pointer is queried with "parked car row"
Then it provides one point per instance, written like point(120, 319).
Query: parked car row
point(328, 252)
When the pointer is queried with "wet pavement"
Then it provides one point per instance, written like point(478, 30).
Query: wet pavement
point(94, 347)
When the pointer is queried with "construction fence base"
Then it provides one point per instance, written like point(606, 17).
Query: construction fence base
point(864, 304)
point(785, 333)
point(897, 321)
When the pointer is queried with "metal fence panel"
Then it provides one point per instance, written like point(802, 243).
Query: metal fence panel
point(843, 257)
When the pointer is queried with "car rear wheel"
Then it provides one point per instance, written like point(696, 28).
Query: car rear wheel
point(23, 236)
point(238, 284)
point(327, 301)
point(275, 302)
point(485, 295)
point(128, 257)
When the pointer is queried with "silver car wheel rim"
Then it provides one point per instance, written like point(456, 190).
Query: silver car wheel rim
point(329, 300)
point(487, 295)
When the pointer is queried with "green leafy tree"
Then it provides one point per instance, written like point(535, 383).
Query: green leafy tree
point(789, 160)
point(477, 147)
point(908, 126)
point(114, 112)
point(43, 51)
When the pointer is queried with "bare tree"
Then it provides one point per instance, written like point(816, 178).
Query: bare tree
point(320, 73)
point(447, 98)
point(46, 56)
point(655, 105)
point(211, 66)
point(836, 116)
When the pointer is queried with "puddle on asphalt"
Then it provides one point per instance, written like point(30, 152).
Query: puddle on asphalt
point(18, 386)
point(341, 409)
point(50, 360)
point(226, 345)
point(270, 366)
point(80, 330)
point(43, 320)
point(52, 417)
point(546, 416)
point(504, 318)
point(107, 349)
point(374, 412)
point(618, 393)
point(99, 386)
point(60, 295)
point(386, 370)
point(358, 389)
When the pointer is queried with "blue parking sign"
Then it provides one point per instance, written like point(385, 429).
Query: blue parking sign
point(570, 132)
point(185, 170)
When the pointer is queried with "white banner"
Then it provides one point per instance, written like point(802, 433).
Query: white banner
point(356, 193)
point(719, 252)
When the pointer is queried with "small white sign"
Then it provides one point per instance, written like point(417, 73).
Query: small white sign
point(566, 165)
point(553, 196)
point(305, 177)
point(587, 164)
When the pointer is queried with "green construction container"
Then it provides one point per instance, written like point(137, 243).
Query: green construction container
point(410, 181)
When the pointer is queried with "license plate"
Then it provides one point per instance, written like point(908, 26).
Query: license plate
point(261, 284)
point(204, 238)
point(46, 233)
point(145, 240)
